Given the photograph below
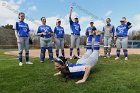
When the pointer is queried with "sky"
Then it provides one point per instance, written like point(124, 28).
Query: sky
point(86, 10)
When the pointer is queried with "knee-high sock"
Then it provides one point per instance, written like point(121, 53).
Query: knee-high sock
point(20, 57)
point(78, 51)
point(118, 53)
point(71, 49)
point(50, 53)
point(63, 54)
point(105, 51)
point(27, 56)
point(42, 54)
point(97, 42)
point(125, 51)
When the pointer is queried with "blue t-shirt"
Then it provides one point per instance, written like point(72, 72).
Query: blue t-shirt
point(122, 30)
point(22, 29)
point(76, 70)
point(75, 27)
point(59, 32)
point(46, 29)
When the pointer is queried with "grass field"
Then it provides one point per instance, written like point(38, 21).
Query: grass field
point(109, 76)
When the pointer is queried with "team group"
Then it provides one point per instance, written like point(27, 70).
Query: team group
point(47, 36)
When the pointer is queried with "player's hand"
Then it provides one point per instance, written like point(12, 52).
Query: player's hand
point(18, 40)
point(102, 40)
point(43, 33)
point(80, 81)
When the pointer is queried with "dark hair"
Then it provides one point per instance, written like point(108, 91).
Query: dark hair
point(20, 14)
point(42, 18)
point(124, 18)
point(61, 60)
point(109, 19)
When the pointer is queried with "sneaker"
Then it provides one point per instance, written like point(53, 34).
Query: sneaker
point(41, 61)
point(30, 63)
point(20, 63)
point(78, 57)
point(70, 57)
point(116, 58)
point(126, 58)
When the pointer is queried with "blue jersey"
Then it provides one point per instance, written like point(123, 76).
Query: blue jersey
point(46, 29)
point(22, 29)
point(59, 32)
point(76, 70)
point(75, 27)
point(122, 30)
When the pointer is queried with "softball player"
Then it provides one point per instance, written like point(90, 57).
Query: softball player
point(59, 34)
point(108, 36)
point(45, 32)
point(22, 35)
point(75, 35)
point(90, 32)
point(81, 68)
point(122, 38)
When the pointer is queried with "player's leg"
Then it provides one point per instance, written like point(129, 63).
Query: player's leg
point(43, 49)
point(93, 39)
point(105, 47)
point(57, 46)
point(93, 58)
point(27, 50)
point(78, 46)
point(124, 47)
point(109, 46)
point(62, 47)
point(89, 49)
point(20, 50)
point(72, 45)
point(50, 51)
point(118, 45)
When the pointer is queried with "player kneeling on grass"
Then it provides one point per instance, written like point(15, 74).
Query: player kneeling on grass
point(22, 35)
point(122, 38)
point(81, 68)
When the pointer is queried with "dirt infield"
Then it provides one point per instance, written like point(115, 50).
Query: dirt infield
point(36, 52)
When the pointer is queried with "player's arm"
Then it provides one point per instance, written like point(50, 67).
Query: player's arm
point(39, 33)
point(86, 75)
point(16, 34)
point(58, 73)
point(70, 19)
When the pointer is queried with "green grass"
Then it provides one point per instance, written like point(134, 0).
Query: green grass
point(109, 76)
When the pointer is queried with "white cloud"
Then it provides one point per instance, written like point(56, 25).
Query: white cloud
point(32, 8)
point(108, 13)
point(10, 17)
point(136, 25)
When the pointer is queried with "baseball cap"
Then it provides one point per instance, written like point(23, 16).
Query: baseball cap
point(122, 20)
point(58, 20)
point(75, 16)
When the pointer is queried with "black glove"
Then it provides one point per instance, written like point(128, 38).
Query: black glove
point(87, 33)
point(128, 23)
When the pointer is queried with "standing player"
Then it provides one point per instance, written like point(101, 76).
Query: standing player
point(59, 34)
point(45, 32)
point(122, 38)
point(108, 36)
point(90, 33)
point(22, 35)
point(75, 35)
point(81, 68)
